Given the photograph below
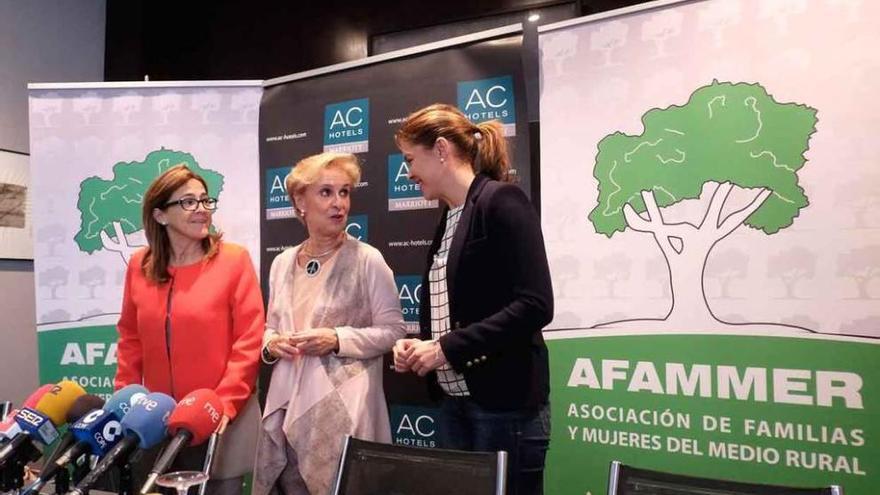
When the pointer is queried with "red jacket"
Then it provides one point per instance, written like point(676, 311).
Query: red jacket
point(216, 329)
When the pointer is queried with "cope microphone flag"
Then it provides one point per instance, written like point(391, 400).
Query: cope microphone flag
point(143, 427)
point(82, 406)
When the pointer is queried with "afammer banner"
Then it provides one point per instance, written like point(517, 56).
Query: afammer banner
point(707, 174)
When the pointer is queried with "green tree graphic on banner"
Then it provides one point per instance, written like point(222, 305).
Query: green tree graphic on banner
point(726, 136)
point(110, 210)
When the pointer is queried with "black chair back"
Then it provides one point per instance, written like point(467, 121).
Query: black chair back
point(628, 480)
point(371, 468)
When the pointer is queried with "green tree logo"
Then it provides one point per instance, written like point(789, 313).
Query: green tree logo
point(110, 210)
point(726, 136)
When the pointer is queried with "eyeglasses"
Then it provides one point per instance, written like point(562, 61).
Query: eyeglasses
point(192, 204)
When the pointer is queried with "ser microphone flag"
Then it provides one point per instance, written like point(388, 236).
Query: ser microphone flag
point(36, 428)
point(38, 424)
point(9, 428)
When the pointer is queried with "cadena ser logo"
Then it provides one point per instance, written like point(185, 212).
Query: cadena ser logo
point(489, 99)
point(347, 126)
point(404, 194)
point(409, 291)
point(277, 202)
point(358, 227)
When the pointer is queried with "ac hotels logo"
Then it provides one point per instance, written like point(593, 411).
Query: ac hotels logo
point(404, 194)
point(489, 99)
point(277, 204)
point(347, 126)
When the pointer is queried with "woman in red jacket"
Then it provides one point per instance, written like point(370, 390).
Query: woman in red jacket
point(192, 313)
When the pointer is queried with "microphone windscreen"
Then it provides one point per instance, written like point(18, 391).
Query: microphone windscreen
point(120, 402)
point(100, 429)
point(148, 419)
point(35, 397)
point(59, 399)
point(198, 413)
point(9, 426)
point(83, 405)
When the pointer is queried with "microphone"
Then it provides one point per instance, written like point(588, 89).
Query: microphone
point(124, 398)
point(98, 431)
point(39, 423)
point(143, 427)
point(95, 433)
point(35, 428)
point(194, 419)
point(85, 404)
point(76, 416)
point(9, 427)
point(12, 472)
point(59, 399)
point(36, 395)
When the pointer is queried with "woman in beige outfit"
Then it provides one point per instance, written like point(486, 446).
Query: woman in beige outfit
point(333, 312)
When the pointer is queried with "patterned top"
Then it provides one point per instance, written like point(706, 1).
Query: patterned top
point(451, 382)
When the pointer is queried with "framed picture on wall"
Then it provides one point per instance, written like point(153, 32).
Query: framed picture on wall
point(16, 241)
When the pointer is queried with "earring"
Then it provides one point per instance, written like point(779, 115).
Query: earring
point(442, 160)
point(164, 224)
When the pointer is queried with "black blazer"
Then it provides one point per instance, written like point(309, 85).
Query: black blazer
point(500, 297)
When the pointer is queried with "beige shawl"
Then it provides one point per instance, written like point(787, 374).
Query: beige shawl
point(313, 402)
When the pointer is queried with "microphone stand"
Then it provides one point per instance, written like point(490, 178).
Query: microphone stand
point(62, 482)
point(126, 480)
point(13, 472)
point(81, 469)
point(6, 478)
point(209, 460)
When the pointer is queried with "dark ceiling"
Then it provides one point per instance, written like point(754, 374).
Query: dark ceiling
point(224, 39)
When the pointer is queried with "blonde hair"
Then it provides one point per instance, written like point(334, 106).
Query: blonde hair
point(158, 255)
point(307, 170)
point(483, 144)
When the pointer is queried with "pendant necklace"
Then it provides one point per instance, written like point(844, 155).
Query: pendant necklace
point(313, 265)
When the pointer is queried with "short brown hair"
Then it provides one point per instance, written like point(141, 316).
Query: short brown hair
point(158, 255)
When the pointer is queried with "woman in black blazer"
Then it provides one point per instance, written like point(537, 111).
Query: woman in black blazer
point(486, 295)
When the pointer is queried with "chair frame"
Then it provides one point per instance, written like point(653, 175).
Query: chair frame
point(614, 476)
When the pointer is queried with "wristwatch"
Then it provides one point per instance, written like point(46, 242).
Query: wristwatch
point(267, 356)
